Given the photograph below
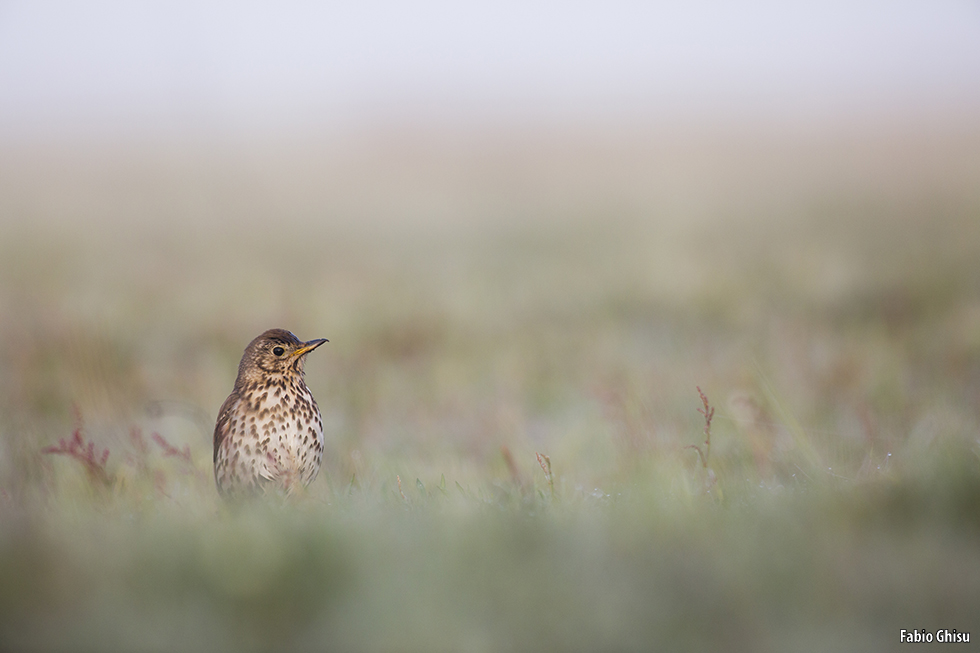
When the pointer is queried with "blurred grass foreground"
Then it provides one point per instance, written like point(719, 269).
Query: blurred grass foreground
point(489, 297)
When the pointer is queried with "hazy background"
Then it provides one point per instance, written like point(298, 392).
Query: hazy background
point(241, 70)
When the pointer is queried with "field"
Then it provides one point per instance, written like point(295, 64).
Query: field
point(490, 296)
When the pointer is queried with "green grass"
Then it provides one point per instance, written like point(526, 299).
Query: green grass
point(498, 312)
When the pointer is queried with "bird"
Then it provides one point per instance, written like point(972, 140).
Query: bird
point(269, 432)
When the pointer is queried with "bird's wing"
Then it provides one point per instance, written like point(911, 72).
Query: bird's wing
point(221, 426)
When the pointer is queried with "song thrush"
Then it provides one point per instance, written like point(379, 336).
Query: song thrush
point(269, 435)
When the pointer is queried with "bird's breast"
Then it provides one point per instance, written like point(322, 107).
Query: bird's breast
point(276, 434)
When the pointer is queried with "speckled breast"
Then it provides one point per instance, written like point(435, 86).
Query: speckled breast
point(275, 435)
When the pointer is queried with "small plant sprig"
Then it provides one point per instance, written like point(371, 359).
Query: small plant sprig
point(704, 454)
point(170, 450)
point(545, 463)
point(708, 413)
point(138, 459)
point(512, 469)
point(84, 452)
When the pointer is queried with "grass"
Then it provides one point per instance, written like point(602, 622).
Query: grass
point(569, 405)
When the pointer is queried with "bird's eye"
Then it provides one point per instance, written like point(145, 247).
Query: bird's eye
point(278, 351)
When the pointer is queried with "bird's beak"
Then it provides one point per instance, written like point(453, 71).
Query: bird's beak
point(309, 346)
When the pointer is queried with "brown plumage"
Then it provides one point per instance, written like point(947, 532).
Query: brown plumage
point(269, 434)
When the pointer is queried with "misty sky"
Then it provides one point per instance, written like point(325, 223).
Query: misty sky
point(67, 66)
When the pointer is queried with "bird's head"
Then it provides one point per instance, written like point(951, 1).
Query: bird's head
point(276, 351)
